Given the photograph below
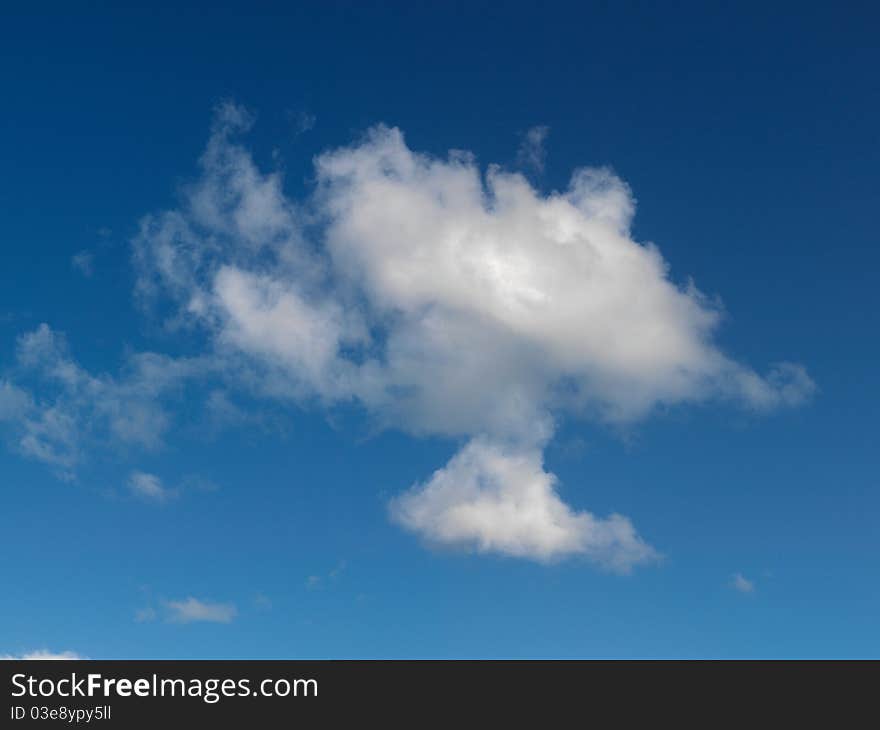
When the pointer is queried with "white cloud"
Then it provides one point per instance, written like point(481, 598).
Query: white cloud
point(492, 499)
point(191, 610)
point(448, 300)
point(742, 584)
point(531, 153)
point(149, 487)
point(497, 298)
point(84, 263)
point(43, 654)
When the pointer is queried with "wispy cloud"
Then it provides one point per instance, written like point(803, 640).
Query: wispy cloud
point(149, 487)
point(15, 402)
point(84, 263)
point(145, 615)
point(303, 121)
point(152, 488)
point(314, 582)
point(742, 584)
point(531, 153)
point(76, 409)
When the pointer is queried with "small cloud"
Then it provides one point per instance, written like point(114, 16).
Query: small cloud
point(314, 582)
point(531, 151)
point(493, 499)
point(262, 602)
point(149, 487)
point(43, 654)
point(191, 610)
point(145, 615)
point(84, 263)
point(742, 584)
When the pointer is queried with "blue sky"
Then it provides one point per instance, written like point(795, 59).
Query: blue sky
point(298, 439)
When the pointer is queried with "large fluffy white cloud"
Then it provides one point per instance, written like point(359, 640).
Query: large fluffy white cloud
point(448, 300)
point(14, 402)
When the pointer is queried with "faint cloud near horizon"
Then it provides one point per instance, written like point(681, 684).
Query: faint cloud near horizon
point(42, 654)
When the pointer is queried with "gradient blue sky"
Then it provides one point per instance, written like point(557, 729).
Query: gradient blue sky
point(748, 135)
